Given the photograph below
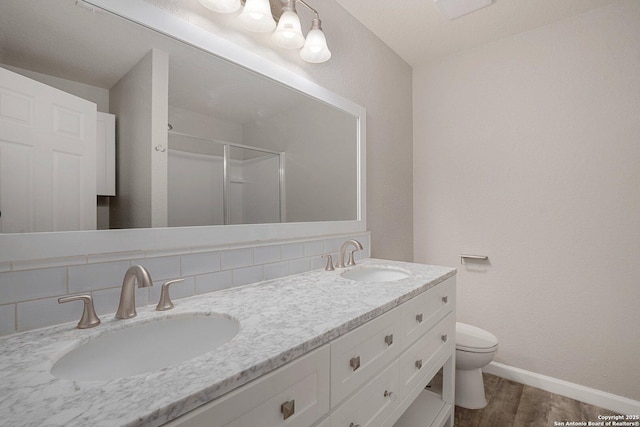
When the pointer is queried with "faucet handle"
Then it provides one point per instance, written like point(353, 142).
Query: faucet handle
point(329, 266)
point(165, 300)
point(89, 317)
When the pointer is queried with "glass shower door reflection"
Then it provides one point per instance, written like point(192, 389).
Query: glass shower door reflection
point(254, 185)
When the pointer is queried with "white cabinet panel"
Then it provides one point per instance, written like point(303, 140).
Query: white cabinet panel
point(417, 365)
point(359, 354)
point(372, 404)
point(305, 382)
point(422, 312)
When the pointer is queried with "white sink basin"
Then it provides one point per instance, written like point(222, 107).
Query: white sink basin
point(145, 348)
point(375, 274)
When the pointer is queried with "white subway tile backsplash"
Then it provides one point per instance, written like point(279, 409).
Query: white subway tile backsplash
point(314, 248)
point(29, 289)
point(318, 262)
point(236, 258)
point(26, 285)
point(244, 276)
point(106, 301)
point(44, 312)
point(200, 263)
point(89, 277)
point(160, 268)
point(7, 319)
point(114, 256)
point(299, 265)
point(214, 281)
point(275, 270)
point(292, 251)
point(266, 254)
point(49, 262)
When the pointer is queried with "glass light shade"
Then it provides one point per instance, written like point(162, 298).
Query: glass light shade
point(256, 16)
point(222, 6)
point(288, 34)
point(315, 47)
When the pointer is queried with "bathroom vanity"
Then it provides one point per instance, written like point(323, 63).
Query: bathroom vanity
point(313, 349)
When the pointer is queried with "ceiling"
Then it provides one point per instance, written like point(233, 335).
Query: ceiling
point(61, 39)
point(419, 32)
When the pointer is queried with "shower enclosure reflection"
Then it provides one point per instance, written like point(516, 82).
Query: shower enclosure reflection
point(216, 182)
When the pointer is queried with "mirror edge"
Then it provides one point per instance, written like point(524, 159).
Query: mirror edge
point(34, 246)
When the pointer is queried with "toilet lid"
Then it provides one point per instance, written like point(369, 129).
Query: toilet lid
point(471, 338)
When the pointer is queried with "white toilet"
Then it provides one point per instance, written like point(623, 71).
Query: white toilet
point(475, 349)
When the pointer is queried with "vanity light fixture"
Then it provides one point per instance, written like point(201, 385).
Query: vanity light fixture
point(222, 6)
point(256, 16)
point(288, 34)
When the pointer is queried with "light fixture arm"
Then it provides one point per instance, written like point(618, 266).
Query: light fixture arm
point(257, 16)
point(315, 12)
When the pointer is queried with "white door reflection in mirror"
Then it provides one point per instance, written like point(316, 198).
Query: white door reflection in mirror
point(47, 157)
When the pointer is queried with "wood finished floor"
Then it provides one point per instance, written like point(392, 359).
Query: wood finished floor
point(511, 404)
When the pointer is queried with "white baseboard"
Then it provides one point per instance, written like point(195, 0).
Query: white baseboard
point(612, 402)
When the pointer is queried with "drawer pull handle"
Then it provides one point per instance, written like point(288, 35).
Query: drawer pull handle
point(391, 395)
point(444, 338)
point(388, 339)
point(288, 408)
point(445, 299)
point(419, 364)
point(419, 318)
point(355, 363)
point(354, 425)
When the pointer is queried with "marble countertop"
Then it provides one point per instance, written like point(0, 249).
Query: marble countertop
point(280, 320)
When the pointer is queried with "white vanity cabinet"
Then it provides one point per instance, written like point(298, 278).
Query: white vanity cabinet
point(372, 376)
point(423, 331)
point(294, 395)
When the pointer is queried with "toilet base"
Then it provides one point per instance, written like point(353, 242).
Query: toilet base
point(470, 389)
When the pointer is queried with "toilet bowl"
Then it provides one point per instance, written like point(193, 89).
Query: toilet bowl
point(475, 348)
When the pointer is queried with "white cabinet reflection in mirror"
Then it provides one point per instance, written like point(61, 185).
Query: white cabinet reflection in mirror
point(47, 157)
point(368, 377)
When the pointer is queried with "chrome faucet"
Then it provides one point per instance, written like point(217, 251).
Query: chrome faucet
point(135, 274)
point(358, 247)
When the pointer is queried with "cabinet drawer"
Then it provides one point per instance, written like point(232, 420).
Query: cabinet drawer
point(371, 405)
point(421, 313)
point(417, 364)
point(300, 388)
point(361, 353)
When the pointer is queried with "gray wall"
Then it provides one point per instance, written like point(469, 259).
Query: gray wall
point(139, 101)
point(526, 150)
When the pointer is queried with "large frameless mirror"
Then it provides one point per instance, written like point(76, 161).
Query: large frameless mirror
point(177, 136)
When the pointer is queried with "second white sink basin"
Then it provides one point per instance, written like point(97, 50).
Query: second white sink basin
point(145, 347)
point(375, 274)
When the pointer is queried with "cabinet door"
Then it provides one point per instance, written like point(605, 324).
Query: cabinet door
point(421, 313)
point(295, 395)
point(358, 355)
point(106, 155)
point(372, 404)
point(47, 157)
point(421, 361)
